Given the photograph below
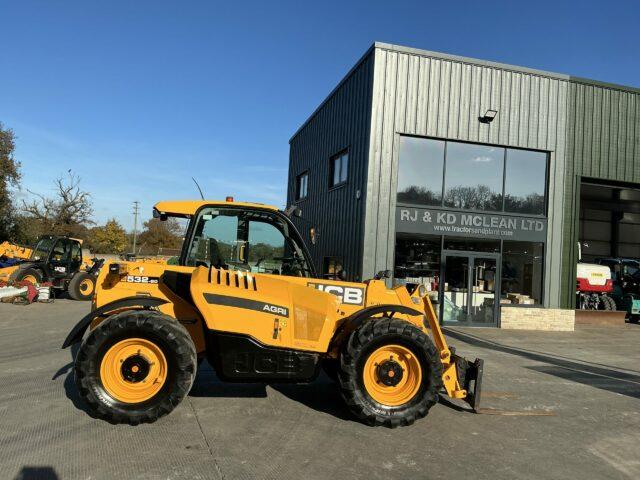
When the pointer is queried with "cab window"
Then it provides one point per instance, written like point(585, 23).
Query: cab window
point(61, 252)
point(42, 249)
point(76, 253)
point(245, 240)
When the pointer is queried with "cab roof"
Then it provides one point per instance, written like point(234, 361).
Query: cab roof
point(184, 208)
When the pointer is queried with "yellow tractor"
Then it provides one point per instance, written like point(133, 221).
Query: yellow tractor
point(245, 296)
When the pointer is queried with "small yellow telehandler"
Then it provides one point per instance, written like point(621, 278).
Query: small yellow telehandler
point(57, 260)
point(245, 296)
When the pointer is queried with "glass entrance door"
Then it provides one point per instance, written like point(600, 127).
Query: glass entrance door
point(469, 289)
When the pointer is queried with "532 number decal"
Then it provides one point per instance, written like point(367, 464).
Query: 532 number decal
point(140, 279)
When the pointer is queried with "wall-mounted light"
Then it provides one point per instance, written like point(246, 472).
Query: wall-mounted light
point(488, 116)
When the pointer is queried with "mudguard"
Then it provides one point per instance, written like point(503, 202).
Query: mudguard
point(77, 332)
point(355, 320)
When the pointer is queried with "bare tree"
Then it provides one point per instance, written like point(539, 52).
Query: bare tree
point(68, 212)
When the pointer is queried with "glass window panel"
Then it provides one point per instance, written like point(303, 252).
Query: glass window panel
point(266, 248)
point(216, 239)
point(344, 163)
point(332, 268)
point(522, 267)
point(417, 260)
point(336, 171)
point(301, 186)
point(525, 181)
point(421, 163)
point(474, 176)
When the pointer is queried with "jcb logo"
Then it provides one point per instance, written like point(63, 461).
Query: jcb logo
point(348, 295)
point(275, 309)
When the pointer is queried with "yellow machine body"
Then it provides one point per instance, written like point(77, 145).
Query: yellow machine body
point(255, 322)
point(5, 273)
point(12, 250)
point(278, 311)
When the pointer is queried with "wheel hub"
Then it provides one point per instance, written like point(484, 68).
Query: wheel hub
point(392, 375)
point(389, 373)
point(135, 369)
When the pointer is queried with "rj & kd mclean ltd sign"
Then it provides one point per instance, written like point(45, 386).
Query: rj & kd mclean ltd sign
point(466, 224)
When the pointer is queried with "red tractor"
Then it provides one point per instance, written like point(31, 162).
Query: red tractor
point(594, 287)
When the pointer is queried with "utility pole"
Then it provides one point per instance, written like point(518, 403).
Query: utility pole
point(136, 206)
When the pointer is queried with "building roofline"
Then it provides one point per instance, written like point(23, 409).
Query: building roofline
point(503, 66)
point(599, 83)
point(461, 59)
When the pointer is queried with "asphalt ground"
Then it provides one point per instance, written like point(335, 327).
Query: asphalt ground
point(562, 405)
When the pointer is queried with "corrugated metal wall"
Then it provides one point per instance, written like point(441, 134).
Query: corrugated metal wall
point(590, 129)
point(603, 142)
point(342, 121)
point(441, 96)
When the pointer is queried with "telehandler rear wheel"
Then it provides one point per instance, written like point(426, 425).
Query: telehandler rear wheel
point(30, 275)
point(81, 286)
point(390, 373)
point(135, 367)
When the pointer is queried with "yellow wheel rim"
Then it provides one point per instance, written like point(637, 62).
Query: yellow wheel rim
point(133, 370)
point(30, 279)
point(86, 286)
point(392, 375)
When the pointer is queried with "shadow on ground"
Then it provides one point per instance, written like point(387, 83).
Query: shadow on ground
point(321, 395)
point(604, 377)
point(37, 473)
point(70, 388)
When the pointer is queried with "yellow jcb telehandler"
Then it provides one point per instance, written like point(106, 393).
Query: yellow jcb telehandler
point(245, 297)
point(59, 261)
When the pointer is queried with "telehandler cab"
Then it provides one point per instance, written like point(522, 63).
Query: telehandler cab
point(245, 297)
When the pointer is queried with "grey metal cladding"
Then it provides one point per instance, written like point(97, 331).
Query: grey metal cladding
point(589, 128)
point(341, 122)
point(603, 142)
point(422, 93)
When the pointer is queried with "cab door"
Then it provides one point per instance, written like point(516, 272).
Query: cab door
point(59, 263)
point(76, 257)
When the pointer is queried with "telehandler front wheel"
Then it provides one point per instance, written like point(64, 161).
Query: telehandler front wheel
point(81, 286)
point(135, 367)
point(390, 373)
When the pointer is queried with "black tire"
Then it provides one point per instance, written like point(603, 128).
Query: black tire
point(365, 340)
point(609, 303)
point(82, 286)
point(612, 304)
point(331, 366)
point(163, 331)
point(20, 274)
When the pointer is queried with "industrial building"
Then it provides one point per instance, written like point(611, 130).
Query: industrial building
point(481, 180)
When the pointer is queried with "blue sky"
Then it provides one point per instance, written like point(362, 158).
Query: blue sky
point(137, 97)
